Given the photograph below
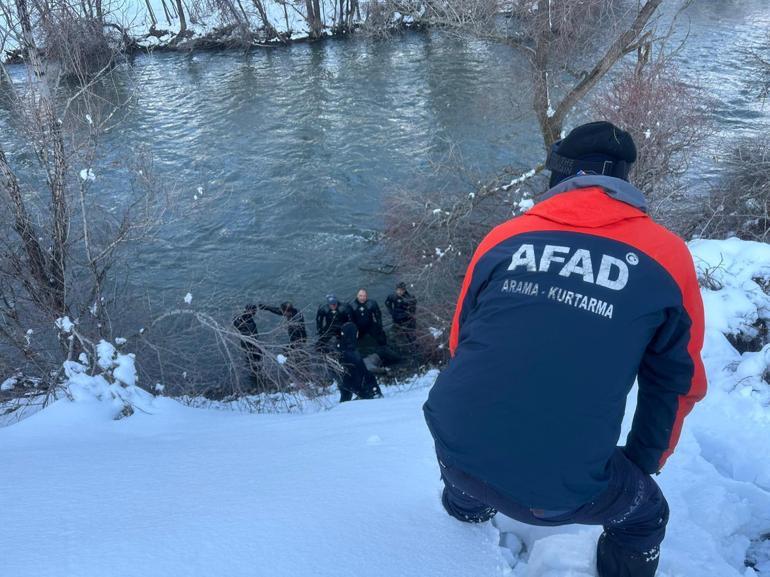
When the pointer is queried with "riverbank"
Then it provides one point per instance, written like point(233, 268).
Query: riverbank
point(354, 489)
point(156, 26)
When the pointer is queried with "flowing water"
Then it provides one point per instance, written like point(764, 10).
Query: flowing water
point(280, 163)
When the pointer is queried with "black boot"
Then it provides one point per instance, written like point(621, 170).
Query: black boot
point(480, 515)
point(614, 561)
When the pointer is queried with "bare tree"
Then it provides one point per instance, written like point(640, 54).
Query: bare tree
point(57, 243)
point(433, 236)
point(552, 45)
point(265, 372)
point(314, 18)
point(571, 46)
point(668, 120)
point(740, 203)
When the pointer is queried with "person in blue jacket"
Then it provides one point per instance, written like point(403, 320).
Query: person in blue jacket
point(560, 311)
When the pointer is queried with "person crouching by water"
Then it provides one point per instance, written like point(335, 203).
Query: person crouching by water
point(356, 378)
point(295, 321)
point(247, 327)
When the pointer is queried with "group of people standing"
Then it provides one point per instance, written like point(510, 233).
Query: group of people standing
point(354, 331)
point(366, 315)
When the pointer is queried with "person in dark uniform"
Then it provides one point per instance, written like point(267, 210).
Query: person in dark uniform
point(295, 321)
point(329, 321)
point(366, 315)
point(245, 325)
point(402, 307)
point(356, 379)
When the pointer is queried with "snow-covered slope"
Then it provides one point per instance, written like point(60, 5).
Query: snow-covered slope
point(354, 491)
point(348, 492)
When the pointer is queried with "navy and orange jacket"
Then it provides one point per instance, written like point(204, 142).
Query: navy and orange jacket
point(561, 309)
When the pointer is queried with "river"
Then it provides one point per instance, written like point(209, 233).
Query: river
point(279, 163)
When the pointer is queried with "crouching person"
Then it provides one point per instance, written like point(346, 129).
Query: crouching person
point(561, 309)
point(356, 378)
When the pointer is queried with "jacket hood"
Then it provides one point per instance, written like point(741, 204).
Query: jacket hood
point(583, 201)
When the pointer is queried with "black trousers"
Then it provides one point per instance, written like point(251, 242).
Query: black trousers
point(632, 511)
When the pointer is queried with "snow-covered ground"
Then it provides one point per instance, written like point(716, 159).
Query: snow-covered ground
point(354, 491)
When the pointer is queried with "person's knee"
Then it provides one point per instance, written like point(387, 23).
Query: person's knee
point(643, 526)
point(462, 496)
point(658, 512)
point(464, 507)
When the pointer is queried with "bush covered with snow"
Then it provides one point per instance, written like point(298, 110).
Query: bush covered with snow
point(114, 384)
point(735, 281)
point(735, 276)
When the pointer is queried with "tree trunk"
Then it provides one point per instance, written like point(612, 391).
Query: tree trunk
point(311, 18)
point(550, 128)
point(551, 116)
point(23, 226)
point(166, 12)
point(182, 19)
point(286, 17)
point(318, 28)
point(57, 175)
point(269, 30)
point(151, 12)
point(56, 167)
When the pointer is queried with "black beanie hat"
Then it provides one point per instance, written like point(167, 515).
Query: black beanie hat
point(596, 147)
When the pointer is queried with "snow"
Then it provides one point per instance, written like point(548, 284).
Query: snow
point(355, 490)
point(87, 175)
point(125, 370)
point(735, 270)
point(188, 298)
point(525, 204)
point(281, 359)
point(435, 332)
point(105, 354)
point(200, 493)
point(520, 179)
point(64, 324)
point(8, 384)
